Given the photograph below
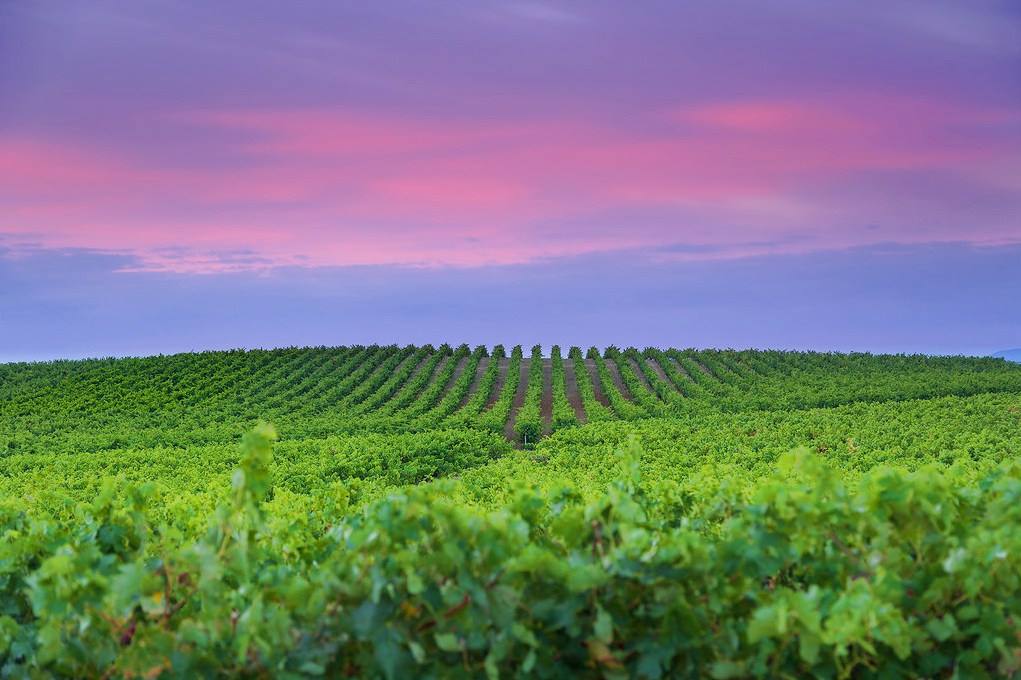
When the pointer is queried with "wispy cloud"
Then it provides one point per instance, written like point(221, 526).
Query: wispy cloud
point(340, 188)
point(499, 133)
point(77, 302)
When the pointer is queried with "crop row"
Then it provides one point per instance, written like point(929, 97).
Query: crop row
point(200, 399)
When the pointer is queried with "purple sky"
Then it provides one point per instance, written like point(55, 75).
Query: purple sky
point(834, 175)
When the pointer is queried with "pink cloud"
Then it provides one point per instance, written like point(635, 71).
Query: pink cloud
point(29, 165)
point(773, 117)
point(332, 187)
point(856, 114)
point(338, 133)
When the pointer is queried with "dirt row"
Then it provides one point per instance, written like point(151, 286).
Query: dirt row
point(573, 395)
point(519, 400)
point(546, 405)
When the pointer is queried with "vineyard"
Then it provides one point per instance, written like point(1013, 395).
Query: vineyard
point(505, 512)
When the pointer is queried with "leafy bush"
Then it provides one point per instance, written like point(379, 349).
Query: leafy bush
point(594, 410)
point(902, 574)
point(563, 413)
point(496, 416)
point(528, 422)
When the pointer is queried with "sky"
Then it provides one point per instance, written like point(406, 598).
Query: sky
point(180, 176)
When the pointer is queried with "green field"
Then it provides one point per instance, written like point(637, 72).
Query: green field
point(457, 512)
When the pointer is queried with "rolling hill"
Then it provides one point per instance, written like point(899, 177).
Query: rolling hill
point(1010, 355)
point(420, 511)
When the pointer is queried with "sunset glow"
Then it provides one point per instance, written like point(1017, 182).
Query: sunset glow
point(492, 134)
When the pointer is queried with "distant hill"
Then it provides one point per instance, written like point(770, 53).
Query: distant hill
point(1010, 355)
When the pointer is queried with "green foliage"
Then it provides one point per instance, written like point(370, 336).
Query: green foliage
point(528, 424)
point(622, 406)
point(563, 413)
point(457, 386)
point(466, 415)
point(494, 418)
point(197, 400)
point(640, 392)
point(901, 574)
point(388, 528)
point(595, 411)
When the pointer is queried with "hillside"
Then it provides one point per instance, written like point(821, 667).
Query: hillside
point(449, 511)
point(1009, 355)
point(207, 398)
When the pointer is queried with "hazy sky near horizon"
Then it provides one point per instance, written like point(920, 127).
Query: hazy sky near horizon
point(635, 173)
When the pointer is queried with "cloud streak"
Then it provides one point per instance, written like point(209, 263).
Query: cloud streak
point(341, 189)
point(891, 298)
